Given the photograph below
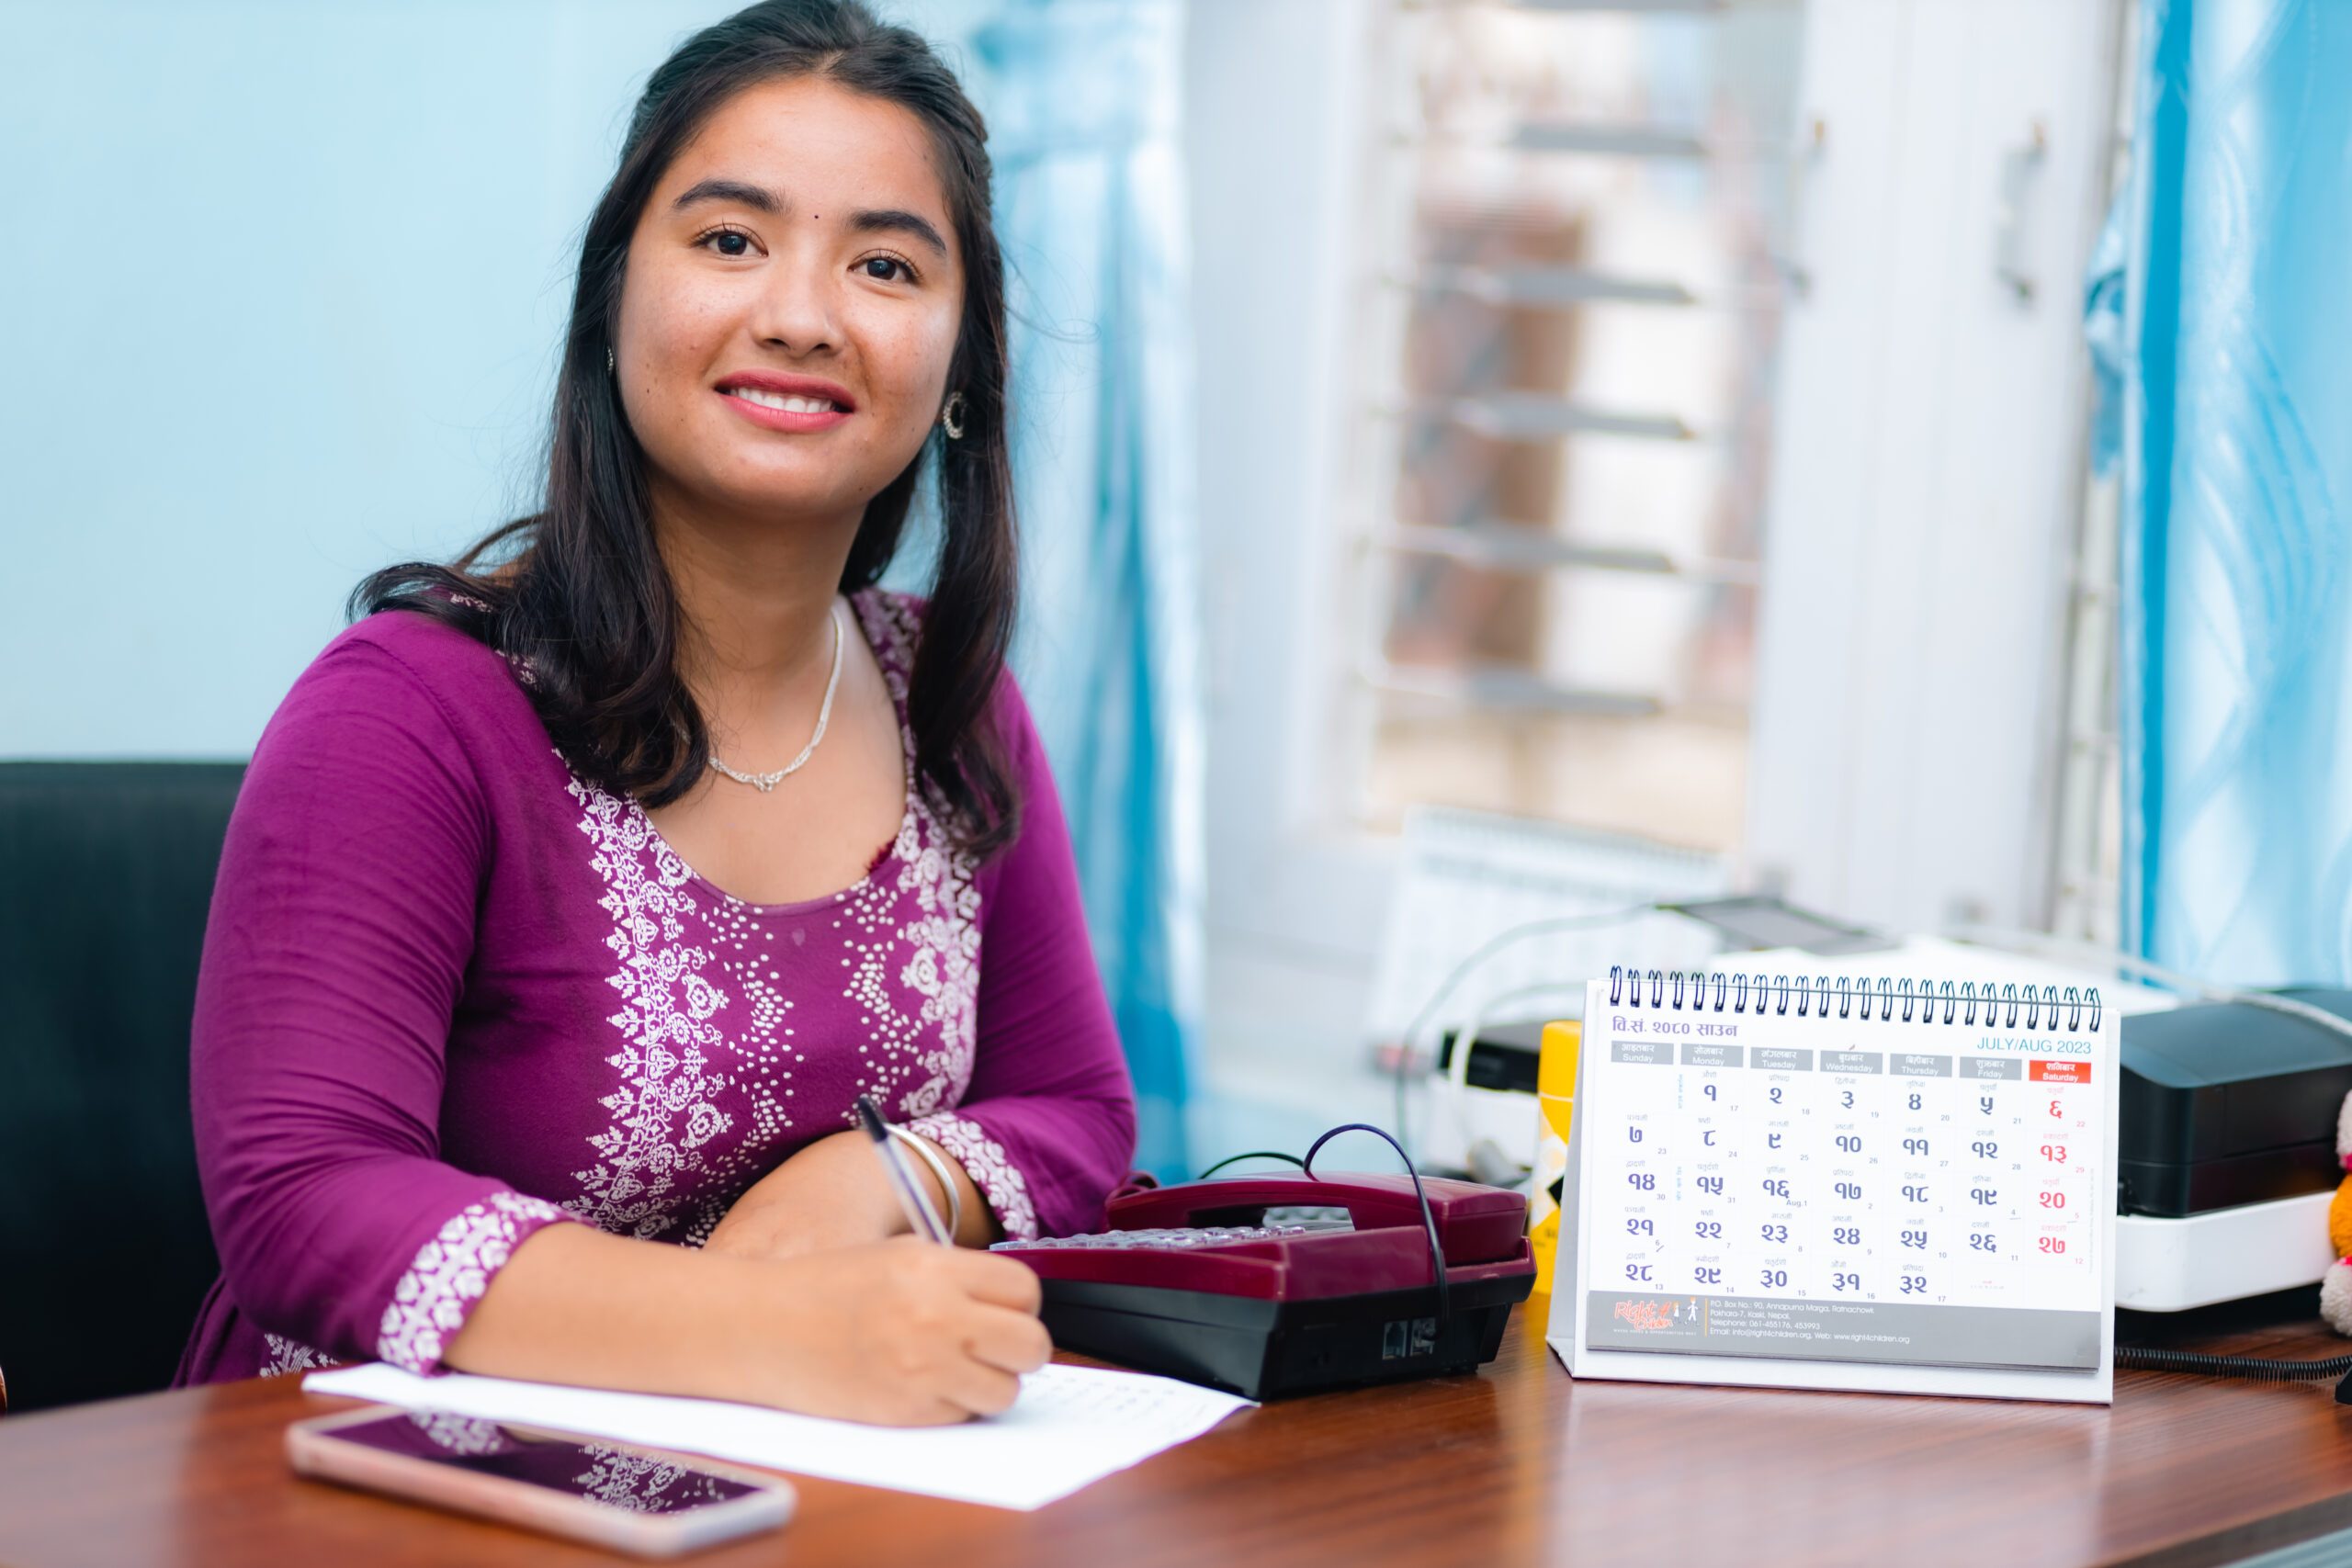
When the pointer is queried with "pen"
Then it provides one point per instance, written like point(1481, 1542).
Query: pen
point(893, 1165)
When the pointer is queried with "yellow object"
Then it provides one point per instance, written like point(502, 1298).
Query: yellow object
point(2339, 1221)
point(1555, 1090)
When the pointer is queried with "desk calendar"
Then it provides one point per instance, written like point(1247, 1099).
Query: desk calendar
point(1811, 1182)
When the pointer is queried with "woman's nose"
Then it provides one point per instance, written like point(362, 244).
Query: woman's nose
point(798, 309)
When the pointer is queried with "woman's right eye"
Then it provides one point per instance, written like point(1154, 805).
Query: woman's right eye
point(728, 241)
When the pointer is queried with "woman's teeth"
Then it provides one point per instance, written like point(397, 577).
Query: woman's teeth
point(790, 404)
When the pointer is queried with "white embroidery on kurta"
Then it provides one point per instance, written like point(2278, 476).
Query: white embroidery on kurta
point(292, 1356)
point(665, 1109)
point(936, 951)
point(450, 1272)
point(984, 1159)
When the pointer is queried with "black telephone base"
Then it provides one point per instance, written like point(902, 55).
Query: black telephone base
point(1264, 1350)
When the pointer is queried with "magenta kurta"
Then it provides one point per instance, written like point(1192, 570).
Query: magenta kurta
point(451, 993)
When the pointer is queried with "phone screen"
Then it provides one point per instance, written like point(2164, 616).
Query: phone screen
point(598, 1472)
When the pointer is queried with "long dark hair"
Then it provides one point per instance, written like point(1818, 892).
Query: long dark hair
point(579, 590)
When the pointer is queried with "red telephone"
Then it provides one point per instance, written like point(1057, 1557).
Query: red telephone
point(1269, 1285)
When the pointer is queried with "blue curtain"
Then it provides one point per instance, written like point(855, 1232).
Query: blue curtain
point(2231, 342)
point(1083, 99)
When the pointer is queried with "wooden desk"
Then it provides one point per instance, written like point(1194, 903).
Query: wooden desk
point(1518, 1465)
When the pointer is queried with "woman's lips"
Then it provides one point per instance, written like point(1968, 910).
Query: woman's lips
point(792, 420)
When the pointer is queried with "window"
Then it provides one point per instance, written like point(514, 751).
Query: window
point(1552, 564)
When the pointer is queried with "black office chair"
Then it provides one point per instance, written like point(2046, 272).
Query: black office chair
point(106, 874)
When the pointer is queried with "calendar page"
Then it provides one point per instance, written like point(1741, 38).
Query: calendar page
point(1818, 1182)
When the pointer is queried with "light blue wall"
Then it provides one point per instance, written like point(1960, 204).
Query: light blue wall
point(280, 290)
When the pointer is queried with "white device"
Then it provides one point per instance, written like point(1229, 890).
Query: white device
point(2172, 1265)
point(641, 1501)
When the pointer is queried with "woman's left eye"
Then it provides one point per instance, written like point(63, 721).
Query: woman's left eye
point(886, 261)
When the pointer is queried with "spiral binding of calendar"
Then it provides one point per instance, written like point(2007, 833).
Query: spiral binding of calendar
point(2004, 1004)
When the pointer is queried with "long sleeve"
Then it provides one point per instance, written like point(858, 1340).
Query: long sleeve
point(1047, 1127)
point(342, 927)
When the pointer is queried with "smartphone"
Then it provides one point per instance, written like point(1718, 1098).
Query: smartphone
point(641, 1501)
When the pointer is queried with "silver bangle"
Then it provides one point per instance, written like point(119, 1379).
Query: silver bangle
point(931, 1157)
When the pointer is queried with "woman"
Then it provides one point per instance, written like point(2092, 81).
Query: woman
point(552, 939)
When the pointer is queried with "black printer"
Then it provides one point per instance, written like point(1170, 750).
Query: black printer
point(2224, 1104)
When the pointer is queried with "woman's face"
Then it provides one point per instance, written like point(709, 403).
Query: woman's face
point(802, 236)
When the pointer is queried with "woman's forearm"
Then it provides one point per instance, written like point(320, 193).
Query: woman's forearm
point(574, 1304)
point(900, 1332)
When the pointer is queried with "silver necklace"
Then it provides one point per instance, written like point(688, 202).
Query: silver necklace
point(766, 782)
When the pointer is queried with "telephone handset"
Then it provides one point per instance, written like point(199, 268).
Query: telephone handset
point(1269, 1285)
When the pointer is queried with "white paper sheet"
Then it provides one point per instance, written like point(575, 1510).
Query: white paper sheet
point(1070, 1426)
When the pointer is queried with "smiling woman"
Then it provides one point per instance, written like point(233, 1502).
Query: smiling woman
point(501, 945)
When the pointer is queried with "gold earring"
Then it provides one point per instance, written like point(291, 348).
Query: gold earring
point(950, 416)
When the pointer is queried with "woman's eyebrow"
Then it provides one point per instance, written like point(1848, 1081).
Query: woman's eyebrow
point(890, 218)
point(758, 198)
point(863, 220)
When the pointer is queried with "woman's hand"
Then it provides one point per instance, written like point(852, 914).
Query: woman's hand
point(903, 1333)
point(833, 1193)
